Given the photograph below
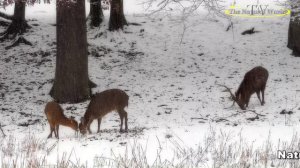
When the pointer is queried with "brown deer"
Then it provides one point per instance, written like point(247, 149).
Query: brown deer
point(103, 103)
point(254, 81)
point(56, 117)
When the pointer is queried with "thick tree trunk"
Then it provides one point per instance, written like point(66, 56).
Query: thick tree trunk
point(96, 13)
point(294, 32)
point(18, 24)
point(71, 83)
point(117, 18)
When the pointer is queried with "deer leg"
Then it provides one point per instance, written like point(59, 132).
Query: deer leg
point(56, 131)
point(99, 123)
point(258, 95)
point(247, 101)
point(126, 119)
point(263, 95)
point(89, 126)
point(121, 118)
point(51, 131)
point(124, 114)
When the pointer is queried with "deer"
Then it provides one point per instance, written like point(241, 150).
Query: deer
point(56, 117)
point(103, 103)
point(254, 81)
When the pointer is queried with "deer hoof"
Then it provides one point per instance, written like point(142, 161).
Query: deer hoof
point(123, 131)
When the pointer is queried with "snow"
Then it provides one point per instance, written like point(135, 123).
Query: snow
point(170, 77)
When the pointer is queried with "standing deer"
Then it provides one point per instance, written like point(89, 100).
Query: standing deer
point(103, 103)
point(254, 82)
point(56, 117)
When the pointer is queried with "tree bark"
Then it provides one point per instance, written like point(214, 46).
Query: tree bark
point(117, 18)
point(294, 32)
point(96, 13)
point(18, 24)
point(71, 83)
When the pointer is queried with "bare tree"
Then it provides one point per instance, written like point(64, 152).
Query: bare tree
point(71, 83)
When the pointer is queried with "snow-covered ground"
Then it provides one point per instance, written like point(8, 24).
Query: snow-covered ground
point(170, 75)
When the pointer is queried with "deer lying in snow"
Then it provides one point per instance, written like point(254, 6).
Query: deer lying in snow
point(254, 82)
point(103, 103)
point(56, 117)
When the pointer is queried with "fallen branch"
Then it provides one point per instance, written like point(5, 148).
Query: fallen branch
point(253, 111)
point(134, 24)
point(2, 130)
point(221, 120)
point(244, 111)
point(249, 31)
point(198, 118)
point(49, 150)
point(18, 42)
point(229, 26)
point(253, 118)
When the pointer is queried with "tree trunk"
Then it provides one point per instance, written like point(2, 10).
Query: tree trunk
point(117, 18)
point(96, 13)
point(294, 32)
point(18, 24)
point(71, 83)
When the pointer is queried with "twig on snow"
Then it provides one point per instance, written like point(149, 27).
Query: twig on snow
point(2, 130)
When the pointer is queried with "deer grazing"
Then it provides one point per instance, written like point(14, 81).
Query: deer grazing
point(56, 117)
point(103, 103)
point(254, 81)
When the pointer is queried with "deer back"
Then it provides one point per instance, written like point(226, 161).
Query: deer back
point(105, 102)
point(53, 111)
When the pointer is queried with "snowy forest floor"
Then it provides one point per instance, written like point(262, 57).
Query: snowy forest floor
point(174, 106)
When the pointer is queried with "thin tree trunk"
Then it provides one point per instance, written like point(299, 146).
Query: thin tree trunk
point(71, 83)
point(117, 18)
point(96, 13)
point(294, 31)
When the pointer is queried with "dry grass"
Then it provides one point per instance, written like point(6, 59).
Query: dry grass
point(219, 149)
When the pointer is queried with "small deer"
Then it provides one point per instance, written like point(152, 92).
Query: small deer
point(56, 117)
point(103, 103)
point(254, 81)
